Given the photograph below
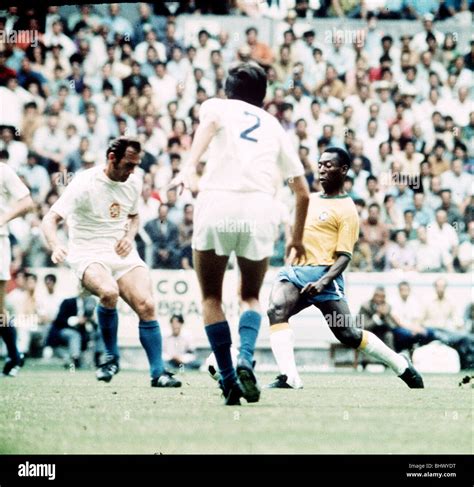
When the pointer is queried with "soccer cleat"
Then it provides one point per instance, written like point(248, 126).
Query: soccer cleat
point(411, 376)
point(232, 394)
point(282, 382)
point(107, 370)
point(248, 381)
point(12, 367)
point(166, 379)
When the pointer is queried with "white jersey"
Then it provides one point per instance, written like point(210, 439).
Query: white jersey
point(250, 151)
point(12, 189)
point(97, 208)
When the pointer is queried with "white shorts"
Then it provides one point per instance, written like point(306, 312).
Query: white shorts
point(80, 258)
point(5, 258)
point(245, 223)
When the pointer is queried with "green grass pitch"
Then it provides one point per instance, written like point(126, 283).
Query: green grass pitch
point(47, 410)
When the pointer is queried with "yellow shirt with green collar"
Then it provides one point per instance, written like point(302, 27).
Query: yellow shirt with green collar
point(331, 228)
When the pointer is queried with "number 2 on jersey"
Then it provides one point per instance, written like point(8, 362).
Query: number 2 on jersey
point(246, 133)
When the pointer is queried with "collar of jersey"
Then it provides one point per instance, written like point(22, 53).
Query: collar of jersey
point(339, 196)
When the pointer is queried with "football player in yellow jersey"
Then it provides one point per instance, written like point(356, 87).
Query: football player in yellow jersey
point(330, 232)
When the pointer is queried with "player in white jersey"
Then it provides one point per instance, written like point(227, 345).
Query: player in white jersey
point(101, 209)
point(249, 153)
point(15, 200)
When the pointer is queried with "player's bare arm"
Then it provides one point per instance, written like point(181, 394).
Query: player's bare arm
point(49, 226)
point(20, 208)
point(295, 245)
point(125, 245)
point(204, 134)
point(313, 288)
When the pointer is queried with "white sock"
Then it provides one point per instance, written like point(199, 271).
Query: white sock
point(374, 347)
point(282, 343)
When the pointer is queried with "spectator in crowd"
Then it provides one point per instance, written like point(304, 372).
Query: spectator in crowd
point(165, 240)
point(400, 107)
point(260, 52)
point(429, 258)
point(442, 235)
point(29, 313)
point(178, 350)
point(466, 250)
point(376, 316)
point(399, 254)
point(440, 311)
point(469, 318)
point(374, 234)
point(408, 315)
point(74, 327)
point(441, 314)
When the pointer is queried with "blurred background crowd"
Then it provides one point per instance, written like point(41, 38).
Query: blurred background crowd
point(402, 106)
point(71, 80)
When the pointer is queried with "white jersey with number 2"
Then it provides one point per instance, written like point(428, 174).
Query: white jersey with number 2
point(250, 151)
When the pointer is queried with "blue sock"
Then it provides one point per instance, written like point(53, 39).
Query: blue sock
point(221, 341)
point(108, 322)
point(8, 333)
point(249, 326)
point(150, 338)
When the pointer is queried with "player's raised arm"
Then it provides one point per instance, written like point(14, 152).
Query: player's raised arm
point(300, 187)
point(202, 138)
point(49, 226)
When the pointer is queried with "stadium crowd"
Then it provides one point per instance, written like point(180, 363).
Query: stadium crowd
point(401, 106)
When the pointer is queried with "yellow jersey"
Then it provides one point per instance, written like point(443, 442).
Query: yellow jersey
point(331, 228)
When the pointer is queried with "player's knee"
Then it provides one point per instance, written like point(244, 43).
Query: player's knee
point(109, 296)
point(277, 313)
point(145, 308)
point(349, 336)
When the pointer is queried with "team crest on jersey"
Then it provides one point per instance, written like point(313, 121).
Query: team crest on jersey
point(114, 210)
point(323, 216)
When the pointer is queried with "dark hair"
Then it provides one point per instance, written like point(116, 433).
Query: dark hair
point(177, 317)
point(403, 283)
point(342, 156)
point(251, 29)
point(107, 85)
point(374, 205)
point(50, 277)
point(119, 146)
point(247, 82)
point(173, 140)
point(323, 141)
point(371, 178)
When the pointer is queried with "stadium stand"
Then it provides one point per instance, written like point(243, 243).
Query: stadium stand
point(392, 86)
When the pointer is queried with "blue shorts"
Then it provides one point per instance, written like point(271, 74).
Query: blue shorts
point(302, 275)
